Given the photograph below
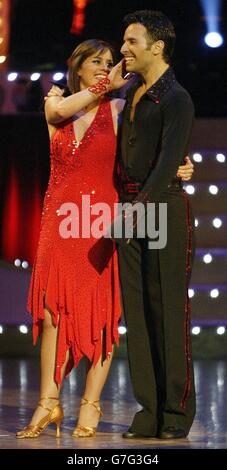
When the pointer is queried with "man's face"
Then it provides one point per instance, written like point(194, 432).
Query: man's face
point(137, 50)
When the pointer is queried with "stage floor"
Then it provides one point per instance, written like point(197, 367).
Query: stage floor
point(19, 394)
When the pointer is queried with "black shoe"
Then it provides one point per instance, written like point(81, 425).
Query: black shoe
point(169, 432)
point(135, 435)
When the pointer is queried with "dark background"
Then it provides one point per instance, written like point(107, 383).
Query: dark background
point(40, 40)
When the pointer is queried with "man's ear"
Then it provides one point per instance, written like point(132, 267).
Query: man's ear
point(158, 47)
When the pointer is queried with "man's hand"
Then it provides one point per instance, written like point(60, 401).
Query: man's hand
point(186, 171)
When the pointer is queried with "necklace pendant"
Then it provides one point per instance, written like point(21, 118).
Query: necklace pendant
point(77, 144)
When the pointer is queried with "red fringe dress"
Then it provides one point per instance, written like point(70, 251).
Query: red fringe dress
point(77, 278)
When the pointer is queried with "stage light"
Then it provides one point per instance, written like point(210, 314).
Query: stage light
point(12, 76)
point(23, 329)
point(35, 76)
point(25, 264)
point(2, 59)
point(1, 329)
point(197, 157)
point(190, 189)
point(220, 157)
point(214, 293)
point(58, 76)
point(191, 293)
point(220, 330)
point(213, 40)
point(213, 189)
point(17, 262)
point(196, 330)
point(207, 258)
point(122, 330)
point(212, 10)
point(196, 222)
point(217, 223)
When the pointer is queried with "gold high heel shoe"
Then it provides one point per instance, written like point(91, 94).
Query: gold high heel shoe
point(87, 431)
point(54, 416)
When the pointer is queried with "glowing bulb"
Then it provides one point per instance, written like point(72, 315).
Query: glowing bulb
point(191, 293)
point(35, 76)
point(220, 330)
point(58, 76)
point(17, 262)
point(220, 157)
point(214, 293)
point(217, 223)
point(12, 76)
point(207, 258)
point(213, 189)
point(190, 189)
point(25, 264)
point(213, 39)
point(122, 330)
point(23, 329)
point(197, 157)
point(196, 330)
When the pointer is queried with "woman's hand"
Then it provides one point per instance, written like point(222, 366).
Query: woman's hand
point(115, 76)
point(186, 171)
point(54, 91)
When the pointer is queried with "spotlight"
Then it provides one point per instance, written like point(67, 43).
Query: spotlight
point(213, 189)
point(214, 293)
point(17, 262)
point(220, 330)
point(207, 258)
point(1, 329)
point(213, 39)
point(190, 189)
point(197, 157)
point(23, 329)
point(191, 293)
point(25, 264)
point(217, 223)
point(196, 330)
point(196, 222)
point(35, 76)
point(122, 330)
point(12, 76)
point(220, 157)
point(58, 76)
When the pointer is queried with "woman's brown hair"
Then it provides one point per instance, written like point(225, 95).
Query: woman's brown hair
point(79, 55)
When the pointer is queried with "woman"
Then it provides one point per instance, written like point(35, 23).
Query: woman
point(74, 292)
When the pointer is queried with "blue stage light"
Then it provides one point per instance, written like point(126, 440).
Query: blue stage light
point(213, 40)
point(212, 10)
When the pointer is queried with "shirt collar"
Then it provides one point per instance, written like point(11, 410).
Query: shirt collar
point(158, 89)
point(164, 83)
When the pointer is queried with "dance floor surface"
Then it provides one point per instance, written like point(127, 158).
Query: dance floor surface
point(19, 381)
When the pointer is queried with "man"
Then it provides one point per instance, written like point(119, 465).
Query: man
point(156, 130)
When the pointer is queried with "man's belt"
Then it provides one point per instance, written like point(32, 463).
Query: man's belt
point(134, 188)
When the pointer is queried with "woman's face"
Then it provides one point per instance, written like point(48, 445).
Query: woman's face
point(94, 68)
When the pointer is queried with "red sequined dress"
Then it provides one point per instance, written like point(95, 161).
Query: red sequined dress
point(77, 278)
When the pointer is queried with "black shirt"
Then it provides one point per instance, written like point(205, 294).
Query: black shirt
point(155, 143)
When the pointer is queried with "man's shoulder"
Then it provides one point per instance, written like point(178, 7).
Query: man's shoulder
point(177, 94)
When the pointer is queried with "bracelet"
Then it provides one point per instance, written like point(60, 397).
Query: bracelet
point(101, 87)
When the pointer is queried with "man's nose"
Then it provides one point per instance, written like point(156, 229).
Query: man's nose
point(124, 48)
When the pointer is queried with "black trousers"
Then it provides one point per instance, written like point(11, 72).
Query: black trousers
point(154, 287)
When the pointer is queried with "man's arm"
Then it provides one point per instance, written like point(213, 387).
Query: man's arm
point(178, 117)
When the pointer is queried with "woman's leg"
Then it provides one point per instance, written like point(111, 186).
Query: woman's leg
point(48, 387)
point(95, 381)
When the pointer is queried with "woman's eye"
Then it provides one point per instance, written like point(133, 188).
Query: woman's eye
point(96, 61)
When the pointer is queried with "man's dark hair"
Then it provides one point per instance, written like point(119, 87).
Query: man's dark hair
point(158, 27)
